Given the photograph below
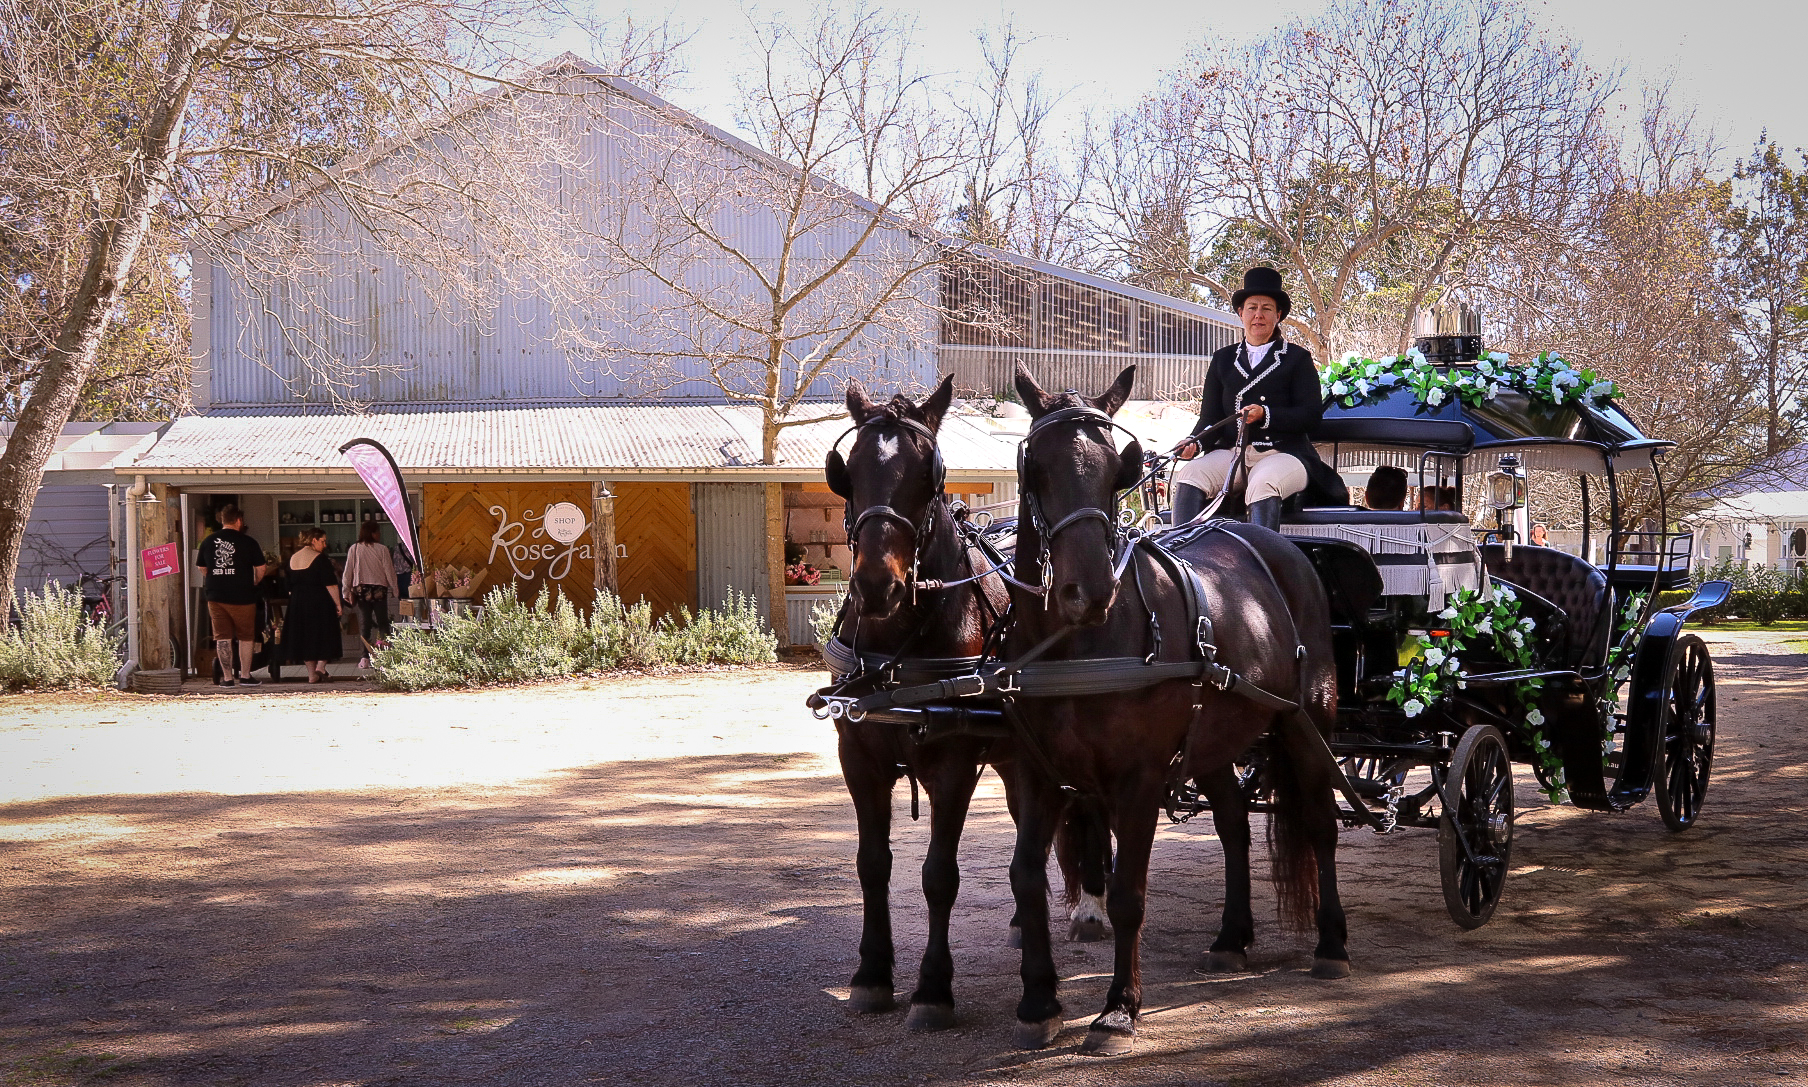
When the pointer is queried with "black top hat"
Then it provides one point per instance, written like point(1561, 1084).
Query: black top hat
point(1263, 281)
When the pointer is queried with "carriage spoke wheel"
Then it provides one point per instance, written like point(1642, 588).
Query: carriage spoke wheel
point(1475, 833)
point(1687, 753)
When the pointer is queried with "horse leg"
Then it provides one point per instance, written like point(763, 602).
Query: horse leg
point(1114, 1031)
point(1084, 847)
point(1007, 773)
point(1230, 816)
point(1040, 807)
point(950, 794)
point(869, 783)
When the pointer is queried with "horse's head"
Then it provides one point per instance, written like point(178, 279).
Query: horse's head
point(1070, 476)
point(891, 478)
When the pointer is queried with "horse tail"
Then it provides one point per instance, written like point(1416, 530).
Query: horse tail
point(1082, 845)
point(1292, 861)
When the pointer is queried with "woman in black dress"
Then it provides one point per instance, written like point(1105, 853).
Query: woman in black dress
point(311, 628)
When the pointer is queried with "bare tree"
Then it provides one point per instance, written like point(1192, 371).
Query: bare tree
point(1766, 275)
point(1368, 150)
point(136, 130)
point(763, 272)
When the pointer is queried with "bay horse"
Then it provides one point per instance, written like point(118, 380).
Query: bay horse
point(902, 530)
point(1270, 622)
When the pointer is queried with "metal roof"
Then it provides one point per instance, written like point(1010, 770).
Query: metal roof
point(455, 442)
point(89, 452)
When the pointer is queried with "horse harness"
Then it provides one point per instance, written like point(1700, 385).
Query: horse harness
point(976, 685)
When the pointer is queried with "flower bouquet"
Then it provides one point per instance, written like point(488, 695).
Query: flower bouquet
point(458, 582)
point(802, 573)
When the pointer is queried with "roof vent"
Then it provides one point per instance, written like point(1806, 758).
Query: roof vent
point(1449, 333)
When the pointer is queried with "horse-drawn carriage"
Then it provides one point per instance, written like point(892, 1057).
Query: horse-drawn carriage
point(1463, 656)
point(1384, 655)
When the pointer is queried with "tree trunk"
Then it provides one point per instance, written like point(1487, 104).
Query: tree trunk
point(112, 249)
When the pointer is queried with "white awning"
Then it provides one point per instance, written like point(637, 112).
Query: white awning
point(92, 452)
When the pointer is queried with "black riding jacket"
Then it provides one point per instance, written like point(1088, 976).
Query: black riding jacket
point(1286, 385)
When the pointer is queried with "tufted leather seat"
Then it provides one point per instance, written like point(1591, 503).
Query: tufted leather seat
point(1571, 584)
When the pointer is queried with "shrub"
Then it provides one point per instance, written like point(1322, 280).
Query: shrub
point(1759, 593)
point(514, 642)
point(54, 647)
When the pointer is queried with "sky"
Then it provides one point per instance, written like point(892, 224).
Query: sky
point(1739, 62)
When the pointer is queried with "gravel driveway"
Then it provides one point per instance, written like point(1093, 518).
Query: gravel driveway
point(649, 880)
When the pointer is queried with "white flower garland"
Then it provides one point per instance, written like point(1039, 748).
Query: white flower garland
point(1549, 378)
point(1481, 620)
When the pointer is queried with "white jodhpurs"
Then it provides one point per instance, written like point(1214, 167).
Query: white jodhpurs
point(1272, 473)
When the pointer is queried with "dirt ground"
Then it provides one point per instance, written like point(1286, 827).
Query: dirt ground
point(649, 881)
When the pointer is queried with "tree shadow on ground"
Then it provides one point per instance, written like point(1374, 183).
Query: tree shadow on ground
point(692, 921)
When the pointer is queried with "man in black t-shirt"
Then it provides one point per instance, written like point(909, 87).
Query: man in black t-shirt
point(232, 564)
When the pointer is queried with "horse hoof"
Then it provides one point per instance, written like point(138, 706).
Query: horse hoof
point(1087, 930)
point(1330, 969)
point(1038, 1035)
point(1111, 1035)
point(1016, 937)
point(1106, 1043)
point(868, 999)
point(1224, 962)
point(928, 1017)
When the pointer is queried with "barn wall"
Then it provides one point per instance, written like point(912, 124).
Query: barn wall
point(731, 542)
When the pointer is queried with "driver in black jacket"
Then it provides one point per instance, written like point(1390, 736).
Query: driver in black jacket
point(1274, 386)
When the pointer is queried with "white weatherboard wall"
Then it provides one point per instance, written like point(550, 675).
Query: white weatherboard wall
point(731, 542)
point(67, 536)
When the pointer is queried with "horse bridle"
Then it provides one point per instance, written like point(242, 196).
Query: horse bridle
point(920, 532)
point(1046, 533)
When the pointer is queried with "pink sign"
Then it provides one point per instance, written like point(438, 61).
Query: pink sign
point(379, 472)
point(161, 561)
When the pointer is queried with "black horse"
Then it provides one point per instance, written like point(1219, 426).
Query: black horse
point(1115, 751)
point(903, 533)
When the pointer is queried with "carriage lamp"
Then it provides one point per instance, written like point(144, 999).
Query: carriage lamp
point(1506, 485)
point(1506, 493)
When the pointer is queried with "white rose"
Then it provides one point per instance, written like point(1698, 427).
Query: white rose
point(1414, 707)
point(1350, 358)
point(1447, 613)
point(1485, 368)
point(1556, 394)
point(1498, 356)
point(1434, 656)
point(1435, 397)
point(1534, 717)
point(1451, 665)
point(1493, 391)
point(1486, 626)
point(1417, 356)
point(1600, 390)
point(1517, 639)
point(1567, 378)
point(1527, 624)
point(1363, 387)
point(1338, 388)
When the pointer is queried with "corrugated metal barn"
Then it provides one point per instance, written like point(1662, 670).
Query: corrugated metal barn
point(529, 398)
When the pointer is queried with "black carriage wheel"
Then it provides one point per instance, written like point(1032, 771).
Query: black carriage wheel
point(1475, 833)
point(1686, 755)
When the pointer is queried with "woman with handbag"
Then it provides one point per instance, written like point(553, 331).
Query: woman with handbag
point(370, 580)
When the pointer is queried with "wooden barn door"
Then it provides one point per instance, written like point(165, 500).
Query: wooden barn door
point(655, 523)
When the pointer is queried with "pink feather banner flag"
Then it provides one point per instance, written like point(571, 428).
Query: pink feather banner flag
point(380, 473)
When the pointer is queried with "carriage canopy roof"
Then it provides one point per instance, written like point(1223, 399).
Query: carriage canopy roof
point(1569, 437)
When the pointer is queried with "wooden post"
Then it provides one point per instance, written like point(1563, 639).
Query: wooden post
point(602, 537)
point(775, 561)
point(162, 604)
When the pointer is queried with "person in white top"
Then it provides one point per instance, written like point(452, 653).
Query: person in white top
point(369, 581)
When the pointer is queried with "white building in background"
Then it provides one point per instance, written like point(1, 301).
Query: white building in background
point(1765, 525)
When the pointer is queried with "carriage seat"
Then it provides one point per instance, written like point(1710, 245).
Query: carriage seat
point(1571, 584)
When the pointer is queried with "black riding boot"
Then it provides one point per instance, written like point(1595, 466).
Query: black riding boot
point(1189, 502)
point(1267, 513)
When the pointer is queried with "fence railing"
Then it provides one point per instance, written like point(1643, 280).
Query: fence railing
point(989, 371)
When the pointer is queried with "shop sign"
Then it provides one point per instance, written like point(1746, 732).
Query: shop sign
point(160, 561)
point(562, 524)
